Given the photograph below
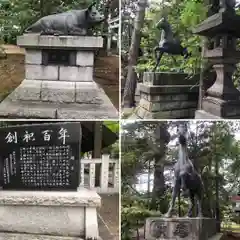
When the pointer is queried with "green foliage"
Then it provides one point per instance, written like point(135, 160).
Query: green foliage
point(192, 13)
point(112, 125)
point(133, 214)
point(112, 150)
point(183, 17)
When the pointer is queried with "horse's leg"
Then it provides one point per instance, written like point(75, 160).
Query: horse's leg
point(156, 49)
point(190, 209)
point(185, 55)
point(175, 61)
point(175, 192)
point(199, 205)
point(183, 185)
point(157, 57)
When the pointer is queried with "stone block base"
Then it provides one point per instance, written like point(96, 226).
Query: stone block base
point(59, 73)
point(60, 214)
point(142, 113)
point(179, 228)
point(49, 41)
point(220, 108)
point(201, 114)
point(20, 236)
point(57, 99)
point(167, 96)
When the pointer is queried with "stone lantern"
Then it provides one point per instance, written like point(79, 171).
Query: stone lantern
point(222, 99)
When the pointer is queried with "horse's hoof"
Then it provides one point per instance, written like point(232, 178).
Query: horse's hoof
point(168, 215)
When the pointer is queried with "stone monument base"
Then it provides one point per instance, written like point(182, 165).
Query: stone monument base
point(213, 108)
point(166, 95)
point(57, 100)
point(47, 214)
point(59, 80)
point(201, 114)
point(179, 228)
point(22, 236)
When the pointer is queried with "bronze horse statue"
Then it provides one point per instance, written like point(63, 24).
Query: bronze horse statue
point(186, 179)
point(168, 44)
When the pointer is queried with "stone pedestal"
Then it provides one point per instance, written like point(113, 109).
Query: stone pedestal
point(223, 99)
point(167, 96)
point(58, 80)
point(49, 215)
point(215, 108)
point(201, 114)
point(179, 228)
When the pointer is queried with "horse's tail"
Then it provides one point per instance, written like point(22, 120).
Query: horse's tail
point(186, 53)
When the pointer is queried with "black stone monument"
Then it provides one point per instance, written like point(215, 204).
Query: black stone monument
point(41, 156)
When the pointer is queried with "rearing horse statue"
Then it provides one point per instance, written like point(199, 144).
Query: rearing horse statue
point(168, 44)
point(186, 178)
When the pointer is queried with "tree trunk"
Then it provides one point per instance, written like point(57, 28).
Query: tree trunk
point(207, 200)
point(158, 183)
point(105, 24)
point(217, 207)
point(131, 81)
point(162, 138)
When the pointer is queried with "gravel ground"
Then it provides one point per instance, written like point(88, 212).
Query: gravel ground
point(109, 217)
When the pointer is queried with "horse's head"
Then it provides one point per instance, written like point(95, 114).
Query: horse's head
point(162, 23)
point(182, 139)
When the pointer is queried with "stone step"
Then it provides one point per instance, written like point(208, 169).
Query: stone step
point(22, 236)
point(46, 110)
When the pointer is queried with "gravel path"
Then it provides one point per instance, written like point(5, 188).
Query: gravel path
point(108, 217)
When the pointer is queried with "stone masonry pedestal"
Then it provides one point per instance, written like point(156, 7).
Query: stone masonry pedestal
point(180, 228)
point(58, 80)
point(166, 95)
point(49, 215)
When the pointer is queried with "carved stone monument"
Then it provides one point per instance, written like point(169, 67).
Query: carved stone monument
point(45, 157)
point(42, 157)
point(179, 228)
point(59, 65)
point(222, 99)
